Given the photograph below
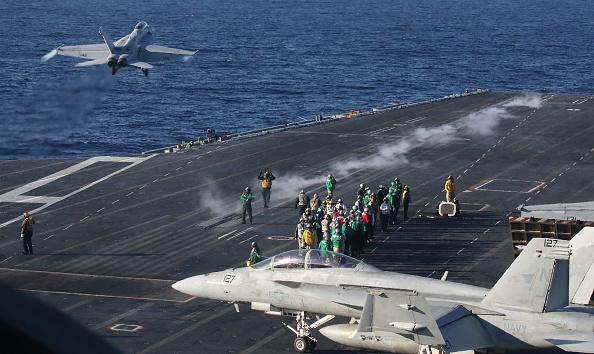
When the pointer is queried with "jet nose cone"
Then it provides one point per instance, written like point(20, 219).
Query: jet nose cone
point(185, 286)
point(176, 286)
point(194, 286)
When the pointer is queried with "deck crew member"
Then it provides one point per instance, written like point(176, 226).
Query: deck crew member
point(450, 187)
point(406, 201)
point(266, 179)
point(326, 244)
point(315, 203)
point(302, 202)
point(256, 254)
point(398, 191)
point(330, 185)
point(246, 199)
point(385, 211)
point(27, 233)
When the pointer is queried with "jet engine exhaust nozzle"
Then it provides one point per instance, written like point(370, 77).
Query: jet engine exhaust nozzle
point(111, 62)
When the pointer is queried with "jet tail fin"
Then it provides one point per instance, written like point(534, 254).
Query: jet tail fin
point(537, 281)
point(107, 40)
point(581, 267)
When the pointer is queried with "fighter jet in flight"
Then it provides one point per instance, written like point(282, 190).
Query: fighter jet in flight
point(535, 304)
point(135, 49)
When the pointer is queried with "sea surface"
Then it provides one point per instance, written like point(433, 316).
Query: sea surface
point(269, 62)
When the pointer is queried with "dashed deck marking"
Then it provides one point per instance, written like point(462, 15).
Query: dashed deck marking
point(19, 195)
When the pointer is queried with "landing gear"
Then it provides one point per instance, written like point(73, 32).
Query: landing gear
point(302, 344)
point(305, 341)
point(145, 71)
point(428, 349)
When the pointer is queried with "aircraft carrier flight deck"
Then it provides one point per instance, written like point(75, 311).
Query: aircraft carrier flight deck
point(113, 233)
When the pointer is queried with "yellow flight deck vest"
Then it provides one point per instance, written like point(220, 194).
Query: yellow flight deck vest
point(266, 183)
point(450, 186)
point(307, 237)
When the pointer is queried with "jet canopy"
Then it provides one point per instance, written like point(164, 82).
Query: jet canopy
point(309, 259)
point(141, 25)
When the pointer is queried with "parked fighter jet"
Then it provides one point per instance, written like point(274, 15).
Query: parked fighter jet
point(136, 49)
point(528, 308)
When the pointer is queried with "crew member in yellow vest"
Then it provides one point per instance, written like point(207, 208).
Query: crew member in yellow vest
point(450, 187)
point(406, 199)
point(308, 239)
point(266, 179)
point(27, 233)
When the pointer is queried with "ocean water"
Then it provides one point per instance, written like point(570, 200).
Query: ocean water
point(269, 62)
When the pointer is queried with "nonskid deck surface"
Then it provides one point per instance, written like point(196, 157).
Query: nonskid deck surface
point(113, 233)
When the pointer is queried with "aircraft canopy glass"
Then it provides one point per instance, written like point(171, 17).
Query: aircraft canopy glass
point(140, 25)
point(303, 258)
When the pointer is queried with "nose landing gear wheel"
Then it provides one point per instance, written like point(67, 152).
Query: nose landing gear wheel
point(302, 344)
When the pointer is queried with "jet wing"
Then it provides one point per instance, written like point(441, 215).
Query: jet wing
point(151, 53)
point(141, 64)
point(403, 313)
point(87, 51)
point(93, 62)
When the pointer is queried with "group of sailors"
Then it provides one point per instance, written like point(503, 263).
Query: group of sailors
point(334, 226)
